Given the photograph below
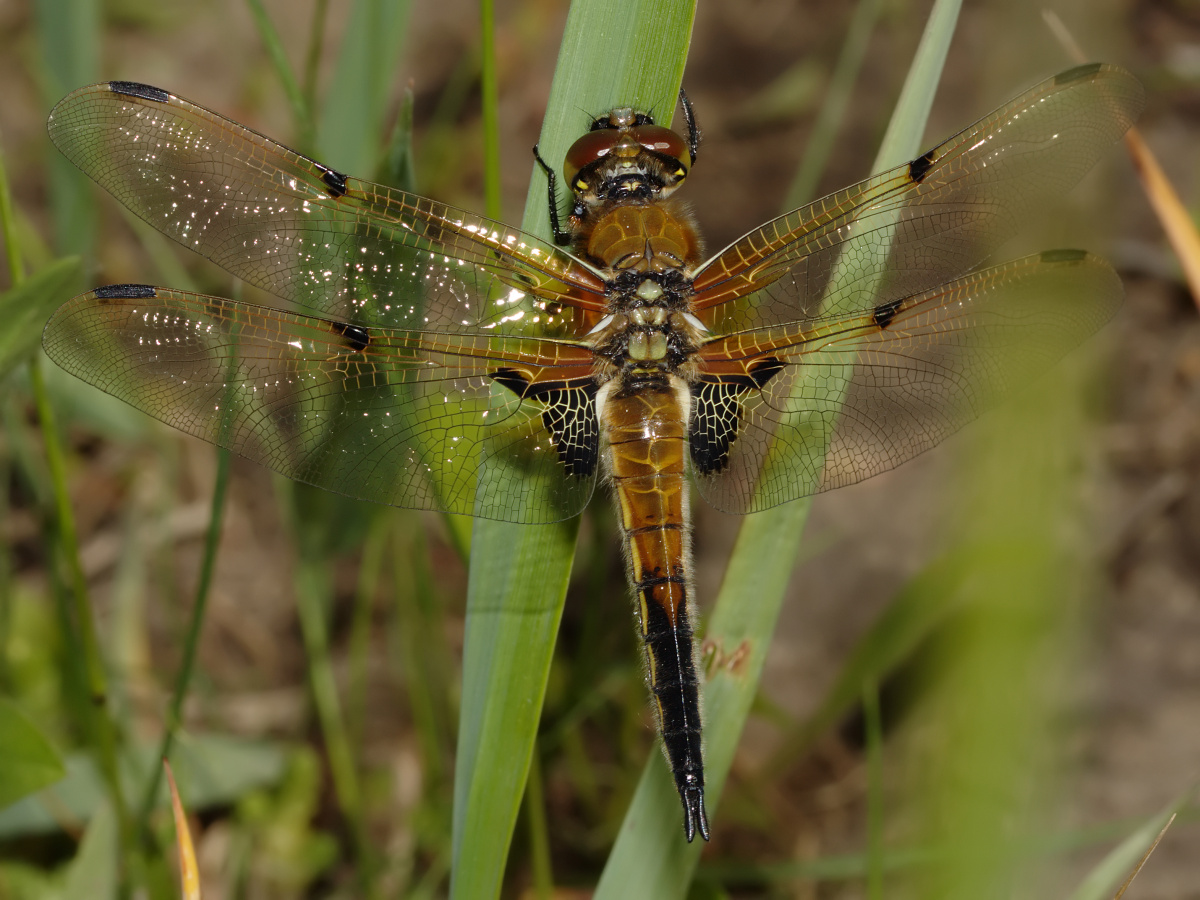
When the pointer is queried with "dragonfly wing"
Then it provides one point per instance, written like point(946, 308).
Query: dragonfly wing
point(490, 425)
point(339, 246)
point(783, 412)
point(903, 232)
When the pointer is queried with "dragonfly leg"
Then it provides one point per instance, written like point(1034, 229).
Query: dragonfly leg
point(561, 237)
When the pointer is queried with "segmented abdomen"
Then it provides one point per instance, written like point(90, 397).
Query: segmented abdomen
point(646, 431)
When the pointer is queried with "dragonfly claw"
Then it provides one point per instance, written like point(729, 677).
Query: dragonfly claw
point(694, 816)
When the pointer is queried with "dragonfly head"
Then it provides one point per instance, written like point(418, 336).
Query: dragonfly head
point(626, 156)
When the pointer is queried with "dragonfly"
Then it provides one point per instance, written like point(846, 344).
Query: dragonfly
point(424, 356)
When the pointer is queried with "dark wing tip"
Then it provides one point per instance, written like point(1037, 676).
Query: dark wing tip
point(1063, 256)
point(137, 89)
point(125, 292)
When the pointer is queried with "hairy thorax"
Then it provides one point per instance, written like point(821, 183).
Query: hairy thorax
point(644, 237)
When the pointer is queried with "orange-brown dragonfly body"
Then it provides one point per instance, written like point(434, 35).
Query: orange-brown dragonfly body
point(427, 357)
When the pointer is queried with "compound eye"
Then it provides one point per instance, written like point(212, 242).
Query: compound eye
point(592, 146)
point(662, 140)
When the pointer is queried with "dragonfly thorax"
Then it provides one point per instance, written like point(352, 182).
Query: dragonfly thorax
point(660, 335)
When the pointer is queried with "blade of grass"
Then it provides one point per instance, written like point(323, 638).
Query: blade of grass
point(1132, 852)
point(301, 110)
point(28, 761)
point(313, 586)
point(833, 110)
point(359, 644)
point(94, 873)
point(77, 622)
point(874, 728)
point(183, 679)
point(856, 866)
point(189, 871)
point(519, 575)
point(312, 57)
point(421, 650)
point(69, 43)
point(649, 858)
point(1141, 863)
point(491, 108)
point(539, 832)
point(996, 679)
point(25, 308)
point(350, 129)
point(920, 607)
point(1177, 222)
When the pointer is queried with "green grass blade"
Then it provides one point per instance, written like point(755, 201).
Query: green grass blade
point(911, 617)
point(183, 679)
point(25, 308)
point(491, 108)
point(650, 858)
point(94, 872)
point(350, 128)
point(833, 110)
point(998, 667)
point(902, 140)
point(273, 44)
point(875, 812)
point(28, 761)
point(69, 44)
point(1116, 867)
point(519, 574)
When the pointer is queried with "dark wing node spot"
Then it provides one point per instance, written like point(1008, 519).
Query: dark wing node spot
point(512, 379)
point(885, 312)
point(717, 413)
point(919, 167)
point(356, 336)
point(136, 89)
point(335, 183)
point(569, 416)
point(125, 292)
point(763, 370)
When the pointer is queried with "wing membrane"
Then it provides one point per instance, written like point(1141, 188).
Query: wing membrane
point(851, 396)
point(339, 246)
point(905, 231)
point(407, 418)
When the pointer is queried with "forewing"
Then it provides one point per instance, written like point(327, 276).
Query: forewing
point(339, 246)
point(905, 231)
point(843, 398)
point(407, 418)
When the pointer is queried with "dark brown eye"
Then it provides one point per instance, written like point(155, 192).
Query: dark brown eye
point(661, 140)
point(592, 146)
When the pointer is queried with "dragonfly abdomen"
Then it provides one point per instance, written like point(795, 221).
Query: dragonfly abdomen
point(646, 430)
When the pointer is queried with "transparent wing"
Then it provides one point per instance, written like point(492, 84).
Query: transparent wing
point(465, 423)
point(339, 246)
point(792, 410)
point(908, 230)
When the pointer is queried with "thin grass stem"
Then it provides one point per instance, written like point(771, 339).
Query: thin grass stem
point(183, 679)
